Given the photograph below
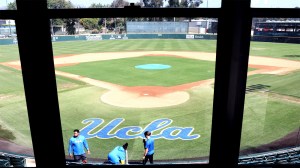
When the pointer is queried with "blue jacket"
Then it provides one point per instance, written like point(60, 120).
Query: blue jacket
point(150, 145)
point(77, 145)
point(117, 154)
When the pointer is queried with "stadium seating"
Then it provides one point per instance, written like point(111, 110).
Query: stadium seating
point(9, 160)
point(4, 163)
point(283, 156)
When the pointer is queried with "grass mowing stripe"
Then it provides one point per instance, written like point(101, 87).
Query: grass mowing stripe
point(266, 119)
point(282, 84)
point(122, 71)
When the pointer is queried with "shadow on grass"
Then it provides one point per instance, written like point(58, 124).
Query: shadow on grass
point(292, 56)
point(6, 134)
point(257, 87)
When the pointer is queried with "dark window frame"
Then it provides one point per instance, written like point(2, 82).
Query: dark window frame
point(234, 18)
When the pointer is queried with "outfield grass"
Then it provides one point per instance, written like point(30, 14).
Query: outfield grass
point(277, 50)
point(265, 118)
point(123, 71)
point(281, 84)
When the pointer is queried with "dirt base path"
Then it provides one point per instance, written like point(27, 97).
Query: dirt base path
point(153, 96)
point(149, 96)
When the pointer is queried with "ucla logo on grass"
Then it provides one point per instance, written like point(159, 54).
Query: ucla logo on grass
point(112, 129)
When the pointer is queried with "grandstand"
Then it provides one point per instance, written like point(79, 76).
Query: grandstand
point(282, 156)
point(14, 160)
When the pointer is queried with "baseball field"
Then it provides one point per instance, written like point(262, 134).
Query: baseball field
point(103, 92)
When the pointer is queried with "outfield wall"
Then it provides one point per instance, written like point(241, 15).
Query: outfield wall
point(157, 27)
point(120, 37)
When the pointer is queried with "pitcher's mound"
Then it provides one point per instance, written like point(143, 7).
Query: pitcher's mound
point(145, 99)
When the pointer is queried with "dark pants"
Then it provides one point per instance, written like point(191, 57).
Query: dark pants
point(82, 157)
point(148, 157)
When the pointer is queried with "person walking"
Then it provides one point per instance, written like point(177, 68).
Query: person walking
point(77, 143)
point(149, 148)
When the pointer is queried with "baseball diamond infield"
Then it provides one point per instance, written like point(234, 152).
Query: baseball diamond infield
point(104, 95)
point(157, 96)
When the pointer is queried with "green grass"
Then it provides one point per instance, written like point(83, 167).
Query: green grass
point(281, 84)
point(11, 81)
point(191, 113)
point(9, 53)
point(6, 134)
point(277, 50)
point(133, 45)
point(123, 71)
point(266, 118)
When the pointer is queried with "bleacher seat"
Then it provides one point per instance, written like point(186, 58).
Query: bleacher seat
point(17, 162)
point(2, 156)
point(245, 159)
point(284, 161)
point(4, 163)
point(292, 153)
point(271, 157)
point(294, 159)
point(260, 158)
point(283, 156)
point(269, 162)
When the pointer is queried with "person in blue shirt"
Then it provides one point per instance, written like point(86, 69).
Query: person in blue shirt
point(149, 148)
point(77, 144)
point(118, 154)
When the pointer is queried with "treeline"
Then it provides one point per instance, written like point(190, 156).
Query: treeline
point(96, 25)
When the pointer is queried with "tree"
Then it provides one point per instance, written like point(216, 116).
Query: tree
point(70, 25)
point(53, 4)
point(153, 3)
point(174, 3)
point(59, 4)
point(190, 3)
point(119, 4)
point(98, 5)
point(89, 23)
point(12, 6)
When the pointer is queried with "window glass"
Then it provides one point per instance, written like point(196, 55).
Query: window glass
point(271, 123)
point(120, 77)
point(15, 136)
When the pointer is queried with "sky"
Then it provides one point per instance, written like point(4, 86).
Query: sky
point(209, 3)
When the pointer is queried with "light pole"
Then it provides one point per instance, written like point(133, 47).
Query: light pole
point(9, 27)
point(8, 21)
point(105, 25)
point(206, 18)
